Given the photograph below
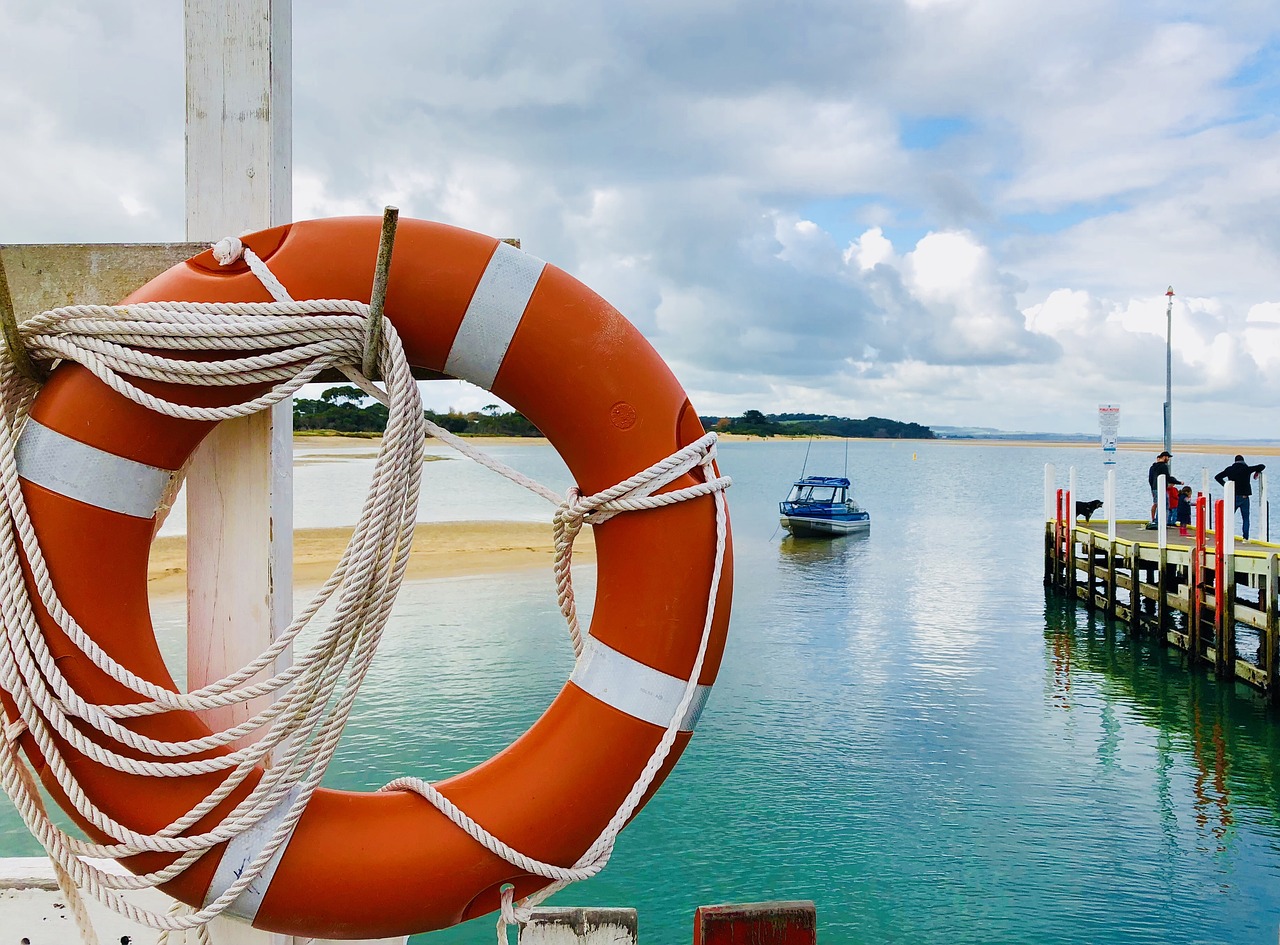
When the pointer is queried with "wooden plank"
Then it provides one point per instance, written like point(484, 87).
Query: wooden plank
point(1250, 617)
point(762, 923)
point(1253, 675)
point(43, 276)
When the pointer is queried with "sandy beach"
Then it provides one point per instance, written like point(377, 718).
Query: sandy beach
point(440, 549)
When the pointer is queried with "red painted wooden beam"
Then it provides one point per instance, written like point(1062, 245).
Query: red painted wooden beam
point(757, 923)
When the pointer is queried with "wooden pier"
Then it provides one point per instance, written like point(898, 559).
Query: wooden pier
point(1213, 597)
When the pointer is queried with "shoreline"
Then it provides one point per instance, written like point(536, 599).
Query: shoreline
point(440, 550)
point(1132, 446)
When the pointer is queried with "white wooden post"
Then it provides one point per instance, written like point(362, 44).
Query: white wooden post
point(239, 485)
point(1071, 487)
point(1204, 488)
point(1050, 493)
point(1110, 498)
point(1263, 528)
point(1162, 511)
point(1227, 529)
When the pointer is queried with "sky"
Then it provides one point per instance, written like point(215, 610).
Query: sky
point(951, 212)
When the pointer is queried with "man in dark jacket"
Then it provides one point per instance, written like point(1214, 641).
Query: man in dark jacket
point(1239, 473)
point(1159, 468)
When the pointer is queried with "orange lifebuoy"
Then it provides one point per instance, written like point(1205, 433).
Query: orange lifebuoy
point(375, 865)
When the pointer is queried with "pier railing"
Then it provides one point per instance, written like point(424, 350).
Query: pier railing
point(1203, 592)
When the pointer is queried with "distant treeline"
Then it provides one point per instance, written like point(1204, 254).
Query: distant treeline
point(344, 410)
point(755, 423)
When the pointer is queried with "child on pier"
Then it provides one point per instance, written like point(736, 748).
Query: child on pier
point(1184, 510)
point(1172, 496)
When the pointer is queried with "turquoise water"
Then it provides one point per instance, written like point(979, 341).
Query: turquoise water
point(905, 730)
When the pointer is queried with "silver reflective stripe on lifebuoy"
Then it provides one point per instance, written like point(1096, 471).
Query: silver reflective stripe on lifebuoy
point(632, 687)
point(89, 475)
point(242, 850)
point(493, 315)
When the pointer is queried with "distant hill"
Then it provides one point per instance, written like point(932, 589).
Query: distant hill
point(755, 423)
point(991, 433)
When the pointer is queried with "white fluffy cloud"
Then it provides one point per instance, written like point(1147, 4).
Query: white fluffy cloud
point(946, 211)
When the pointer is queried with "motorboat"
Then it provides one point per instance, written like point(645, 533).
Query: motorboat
point(821, 507)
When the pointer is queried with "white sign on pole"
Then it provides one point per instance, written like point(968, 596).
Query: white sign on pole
point(1109, 424)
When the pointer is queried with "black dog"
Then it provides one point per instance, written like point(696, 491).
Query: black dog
point(1088, 508)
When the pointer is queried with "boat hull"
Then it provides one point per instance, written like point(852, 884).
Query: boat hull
point(805, 526)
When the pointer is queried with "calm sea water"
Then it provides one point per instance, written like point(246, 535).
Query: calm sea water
point(906, 729)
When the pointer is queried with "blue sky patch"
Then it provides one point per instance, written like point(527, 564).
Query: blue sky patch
point(925, 134)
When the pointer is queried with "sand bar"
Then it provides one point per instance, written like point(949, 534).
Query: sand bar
point(440, 549)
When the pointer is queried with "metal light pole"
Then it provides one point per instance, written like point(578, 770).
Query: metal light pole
point(1168, 374)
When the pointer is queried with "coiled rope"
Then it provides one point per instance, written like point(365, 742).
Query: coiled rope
point(284, 344)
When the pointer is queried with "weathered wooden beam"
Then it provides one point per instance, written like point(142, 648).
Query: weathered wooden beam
point(760, 923)
point(42, 276)
point(569, 926)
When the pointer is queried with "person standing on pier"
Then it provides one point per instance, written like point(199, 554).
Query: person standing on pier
point(1159, 468)
point(1239, 472)
point(1184, 510)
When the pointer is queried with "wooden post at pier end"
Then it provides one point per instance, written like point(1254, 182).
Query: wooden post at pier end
point(761, 923)
point(570, 926)
point(239, 486)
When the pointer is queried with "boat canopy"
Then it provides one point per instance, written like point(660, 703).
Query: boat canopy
point(818, 489)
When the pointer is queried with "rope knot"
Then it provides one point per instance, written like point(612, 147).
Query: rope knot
point(509, 913)
point(573, 510)
point(227, 250)
point(512, 912)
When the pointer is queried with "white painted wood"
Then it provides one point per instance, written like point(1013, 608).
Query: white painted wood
point(1162, 511)
point(239, 485)
point(1227, 533)
point(1110, 499)
point(239, 116)
point(1204, 488)
point(34, 909)
point(1050, 493)
point(1263, 527)
point(569, 926)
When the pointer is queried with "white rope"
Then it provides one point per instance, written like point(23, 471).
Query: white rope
point(283, 344)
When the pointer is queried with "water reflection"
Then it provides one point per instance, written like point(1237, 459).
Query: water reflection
point(801, 556)
point(1213, 746)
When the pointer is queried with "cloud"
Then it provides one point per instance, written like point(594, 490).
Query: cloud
point(952, 211)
